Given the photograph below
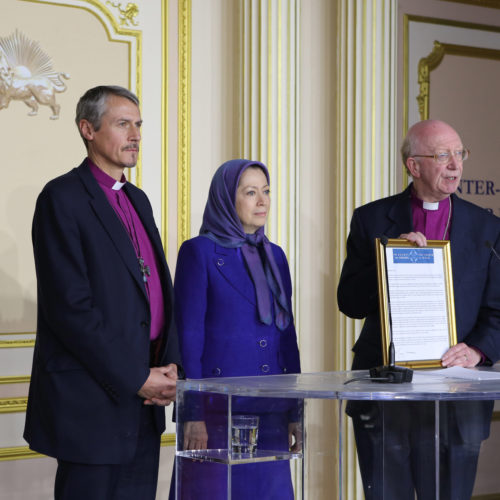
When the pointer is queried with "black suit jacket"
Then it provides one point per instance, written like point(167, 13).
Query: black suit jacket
point(476, 279)
point(92, 351)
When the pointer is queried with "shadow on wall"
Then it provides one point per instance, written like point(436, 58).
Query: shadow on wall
point(17, 305)
point(17, 270)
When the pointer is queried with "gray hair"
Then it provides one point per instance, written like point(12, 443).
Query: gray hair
point(406, 148)
point(92, 105)
point(409, 145)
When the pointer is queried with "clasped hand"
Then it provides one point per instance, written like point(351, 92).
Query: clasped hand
point(159, 388)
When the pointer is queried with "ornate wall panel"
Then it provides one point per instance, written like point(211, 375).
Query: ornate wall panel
point(184, 122)
point(269, 111)
point(41, 148)
point(366, 145)
point(76, 44)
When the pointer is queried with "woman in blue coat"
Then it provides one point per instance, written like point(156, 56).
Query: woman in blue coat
point(234, 316)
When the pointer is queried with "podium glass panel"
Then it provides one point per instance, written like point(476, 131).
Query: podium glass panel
point(411, 437)
point(236, 447)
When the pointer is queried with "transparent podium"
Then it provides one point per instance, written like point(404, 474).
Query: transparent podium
point(405, 433)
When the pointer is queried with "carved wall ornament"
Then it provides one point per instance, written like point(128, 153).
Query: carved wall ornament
point(425, 66)
point(128, 14)
point(26, 74)
point(434, 59)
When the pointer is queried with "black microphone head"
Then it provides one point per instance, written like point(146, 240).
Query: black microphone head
point(488, 244)
point(384, 240)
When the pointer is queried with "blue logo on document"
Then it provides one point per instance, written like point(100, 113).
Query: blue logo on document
point(413, 255)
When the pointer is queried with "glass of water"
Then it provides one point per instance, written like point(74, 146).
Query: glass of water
point(244, 433)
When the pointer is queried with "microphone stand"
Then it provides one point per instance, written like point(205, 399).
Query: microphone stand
point(390, 373)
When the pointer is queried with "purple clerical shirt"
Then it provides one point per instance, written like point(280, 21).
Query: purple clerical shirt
point(433, 220)
point(140, 241)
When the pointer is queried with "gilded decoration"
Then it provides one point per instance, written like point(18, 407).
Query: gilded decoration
point(23, 452)
point(493, 4)
point(19, 379)
point(16, 343)
point(26, 75)
point(184, 123)
point(433, 60)
point(103, 14)
point(18, 453)
point(10, 405)
point(425, 66)
point(128, 14)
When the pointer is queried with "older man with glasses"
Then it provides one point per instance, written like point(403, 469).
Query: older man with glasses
point(396, 445)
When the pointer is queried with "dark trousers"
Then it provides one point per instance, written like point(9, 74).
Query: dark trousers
point(132, 481)
point(396, 451)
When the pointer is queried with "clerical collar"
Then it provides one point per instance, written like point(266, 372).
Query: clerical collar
point(104, 179)
point(428, 205)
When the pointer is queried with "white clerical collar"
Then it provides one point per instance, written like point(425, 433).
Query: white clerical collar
point(118, 185)
point(427, 205)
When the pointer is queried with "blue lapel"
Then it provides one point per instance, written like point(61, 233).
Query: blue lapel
point(106, 215)
point(229, 264)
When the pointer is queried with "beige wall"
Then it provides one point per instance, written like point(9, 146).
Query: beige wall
point(316, 305)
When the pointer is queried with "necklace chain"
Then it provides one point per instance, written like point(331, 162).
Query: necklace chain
point(130, 227)
point(449, 219)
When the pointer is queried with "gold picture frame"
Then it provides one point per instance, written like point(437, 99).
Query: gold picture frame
point(419, 306)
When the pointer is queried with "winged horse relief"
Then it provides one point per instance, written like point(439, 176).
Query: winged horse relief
point(26, 75)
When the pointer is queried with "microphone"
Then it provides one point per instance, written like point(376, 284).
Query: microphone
point(489, 245)
point(391, 373)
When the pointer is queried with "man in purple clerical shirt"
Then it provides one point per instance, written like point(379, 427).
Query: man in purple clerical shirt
point(106, 355)
point(396, 440)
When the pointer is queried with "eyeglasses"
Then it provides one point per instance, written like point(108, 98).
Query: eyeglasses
point(444, 157)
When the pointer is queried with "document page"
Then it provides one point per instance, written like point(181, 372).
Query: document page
point(417, 297)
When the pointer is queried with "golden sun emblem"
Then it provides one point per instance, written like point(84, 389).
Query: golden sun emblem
point(127, 14)
point(26, 75)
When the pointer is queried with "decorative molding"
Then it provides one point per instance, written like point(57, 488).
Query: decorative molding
point(425, 66)
point(434, 59)
point(8, 344)
point(128, 14)
point(407, 19)
point(16, 379)
point(18, 453)
point(23, 452)
point(168, 439)
point(17, 333)
point(27, 75)
point(164, 125)
point(115, 33)
point(184, 124)
point(492, 4)
point(13, 405)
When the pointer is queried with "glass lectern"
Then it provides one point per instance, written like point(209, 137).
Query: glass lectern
point(241, 456)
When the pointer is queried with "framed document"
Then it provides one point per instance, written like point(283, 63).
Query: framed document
point(416, 301)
